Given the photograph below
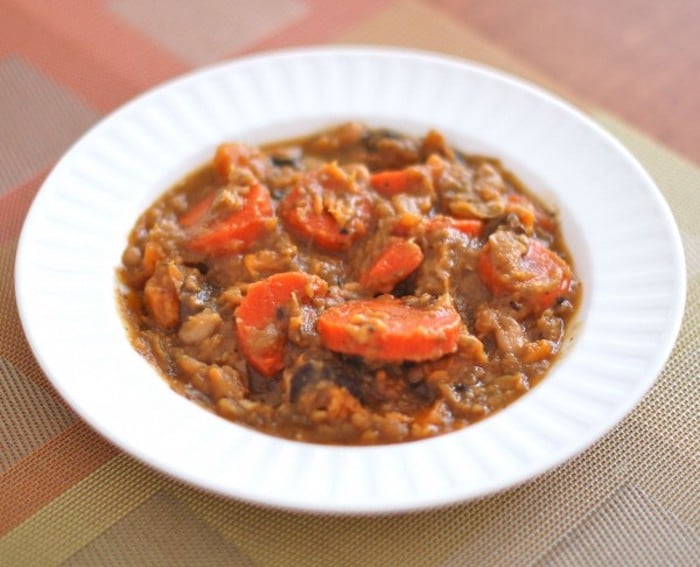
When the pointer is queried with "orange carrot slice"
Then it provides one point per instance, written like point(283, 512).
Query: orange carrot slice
point(398, 260)
point(394, 181)
point(538, 276)
point(328, 209)
point(389, 329)
point(237, 231)
point(390, 182)
point(261, 318)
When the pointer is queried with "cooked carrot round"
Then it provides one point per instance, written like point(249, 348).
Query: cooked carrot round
point(391, 182)
point(236, 231)
point(262, 316)
point(397, 261)
point(526, 270)
point(388, 329)
point(328, 208)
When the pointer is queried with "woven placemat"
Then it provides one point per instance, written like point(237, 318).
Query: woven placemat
point(66, 496)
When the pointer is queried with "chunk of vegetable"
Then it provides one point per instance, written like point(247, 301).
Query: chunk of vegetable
point(196, 211)
point(235, 231)
point(414, 179)
point(328, 207)
point(397, 260)
point(529, 214)
point(389, 183)
point(233, 155)
point(161, 295)
point(523, 268)
point(262, 316)
point(467, 192)
point(389, 329)
point(470, 227)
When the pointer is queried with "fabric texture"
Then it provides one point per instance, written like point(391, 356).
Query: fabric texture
point(69, 497)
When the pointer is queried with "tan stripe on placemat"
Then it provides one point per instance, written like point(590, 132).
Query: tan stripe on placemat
point(161, 530)
point(627, 528)
point(49, 471)
point(80, 514)
point(29, 416)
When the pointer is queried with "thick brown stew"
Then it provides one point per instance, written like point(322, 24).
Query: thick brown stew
point(356, 286)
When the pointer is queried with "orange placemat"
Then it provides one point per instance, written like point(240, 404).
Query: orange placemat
point(67, 496)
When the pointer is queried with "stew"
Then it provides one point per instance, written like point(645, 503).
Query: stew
point(355, 286)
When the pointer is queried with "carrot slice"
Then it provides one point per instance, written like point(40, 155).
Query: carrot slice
point(397, 261)
point(470, 227)
point(537, 277)
point(328, 208)
point(388, 329)
point(261, 317)
point(390, 182)
point(550, 269)
point(237, 231)
point(394, 181)
point(197, 211)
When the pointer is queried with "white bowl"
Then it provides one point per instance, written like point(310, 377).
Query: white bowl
point(622, 236)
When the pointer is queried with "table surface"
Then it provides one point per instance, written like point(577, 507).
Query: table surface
point(67, 496)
